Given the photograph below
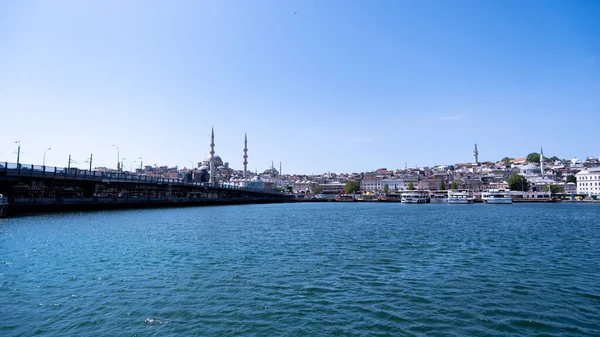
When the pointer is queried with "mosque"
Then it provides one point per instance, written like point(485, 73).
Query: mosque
point(536, 174)
point(214, 170)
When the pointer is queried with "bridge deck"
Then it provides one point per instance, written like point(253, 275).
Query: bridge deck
point(31, 188)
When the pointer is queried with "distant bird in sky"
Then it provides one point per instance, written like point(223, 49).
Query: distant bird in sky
point(296, 12)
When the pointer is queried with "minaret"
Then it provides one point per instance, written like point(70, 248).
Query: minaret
point(475, 155)
point(280, 168)
point(212, 156)
point(245, 155)
point(542, 161)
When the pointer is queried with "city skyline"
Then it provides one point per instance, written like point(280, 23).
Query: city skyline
point(318, 86)
point(518, 160)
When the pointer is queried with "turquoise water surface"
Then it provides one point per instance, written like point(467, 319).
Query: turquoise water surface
point(347, 269)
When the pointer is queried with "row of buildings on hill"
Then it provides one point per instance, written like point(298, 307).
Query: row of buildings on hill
point(476, 176)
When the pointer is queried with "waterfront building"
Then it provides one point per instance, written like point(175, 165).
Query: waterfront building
point(588, 181)
point(370, 184)
point(377, 184)
point(530, 195)
point(334, 187)
point(394, 184)
point(304, 186)
point(569, 187)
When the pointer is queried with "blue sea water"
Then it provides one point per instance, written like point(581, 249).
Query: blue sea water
point(346, 269)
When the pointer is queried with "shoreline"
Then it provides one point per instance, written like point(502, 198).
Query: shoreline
point(16, 210)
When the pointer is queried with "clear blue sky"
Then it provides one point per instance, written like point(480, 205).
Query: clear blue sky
point(340, 86)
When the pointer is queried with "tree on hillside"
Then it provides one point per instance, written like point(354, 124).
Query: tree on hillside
point(517, 182)
point(506, 161)
point(317, 189)
point(553, 189)
point(442, 186)
point(411, 186)
point(351, 187)
point(386, 188)
point(571, 178)
point(454, 185)
point(533, 157)
point(552, 159)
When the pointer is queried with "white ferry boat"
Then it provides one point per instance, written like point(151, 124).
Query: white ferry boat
point(497, 196)
point(415, 197)
point(439, 197)
point(460, 197)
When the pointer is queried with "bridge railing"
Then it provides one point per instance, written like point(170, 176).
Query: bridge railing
point(76, 173)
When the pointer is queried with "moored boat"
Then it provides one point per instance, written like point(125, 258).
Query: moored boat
point(460, 197)
point(415, 197)
point(439, 197)
point(497, 196)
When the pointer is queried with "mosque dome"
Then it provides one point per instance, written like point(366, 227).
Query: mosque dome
point(218, 160)
point(271, 171)
point(530, 169)
point(204, 168)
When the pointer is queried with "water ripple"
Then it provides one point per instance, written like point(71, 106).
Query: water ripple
point(304, 269)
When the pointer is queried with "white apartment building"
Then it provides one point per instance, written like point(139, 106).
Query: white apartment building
point(370, 185)
point(377, 184)
point(588, 181)
point(393, 184)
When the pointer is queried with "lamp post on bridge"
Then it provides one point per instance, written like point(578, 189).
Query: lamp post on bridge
point(118, 156)
point(18, 152)
point(89, 160)
point(44, 161)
